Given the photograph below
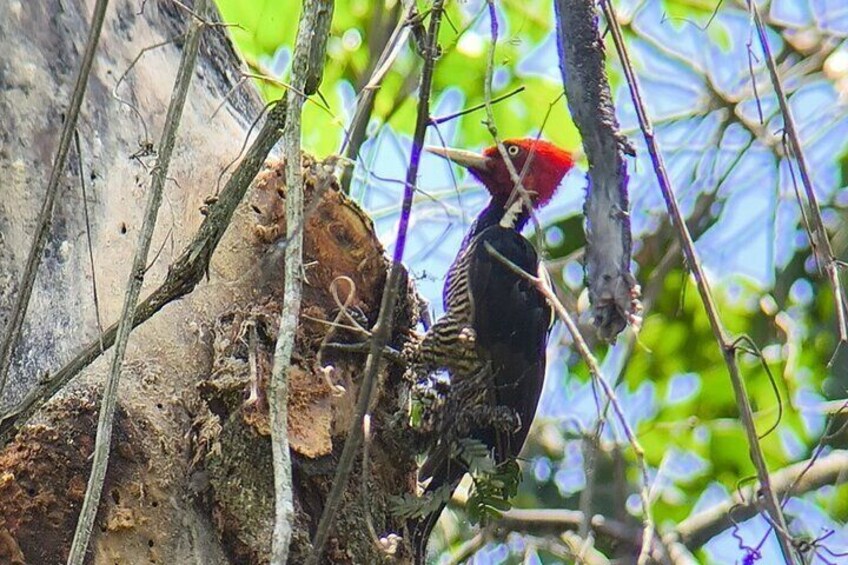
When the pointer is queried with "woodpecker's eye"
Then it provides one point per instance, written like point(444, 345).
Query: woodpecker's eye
point(513, 150)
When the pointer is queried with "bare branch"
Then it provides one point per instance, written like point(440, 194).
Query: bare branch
point(801, 477)
point(476, 107)
point(383, 327)
point(88, 236)
point(109, 399)
point(16, 320)
point(698, 529)
point(727, 348)
point(307, 66)
point(555, 520)
point(467, 550)
point(365, 99)
point(518, 190)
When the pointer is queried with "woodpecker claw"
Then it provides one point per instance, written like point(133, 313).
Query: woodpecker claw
point(468, 336)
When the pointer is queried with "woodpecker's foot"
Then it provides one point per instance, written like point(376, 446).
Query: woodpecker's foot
point(468, 336)
point(411, 350)
point(427, 400)
point(353, 318)
point(359, 316)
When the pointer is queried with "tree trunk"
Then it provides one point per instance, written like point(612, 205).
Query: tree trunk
point(190, 478)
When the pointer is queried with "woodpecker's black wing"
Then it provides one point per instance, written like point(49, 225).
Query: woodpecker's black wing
point(511, 320)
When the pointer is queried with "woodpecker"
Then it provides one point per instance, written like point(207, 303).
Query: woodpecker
point(492, 338)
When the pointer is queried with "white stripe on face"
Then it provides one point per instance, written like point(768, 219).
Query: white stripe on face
point(510, 217)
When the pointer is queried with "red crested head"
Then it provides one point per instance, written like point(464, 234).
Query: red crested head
point(546, 165)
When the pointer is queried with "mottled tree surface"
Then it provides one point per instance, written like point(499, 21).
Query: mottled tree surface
point(190, 478)
point(613, 290)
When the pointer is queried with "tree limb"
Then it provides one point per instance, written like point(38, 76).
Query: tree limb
point(392, 48)
point(697, 530)
point(819, 240)
point(613, 291)
point(307, 68)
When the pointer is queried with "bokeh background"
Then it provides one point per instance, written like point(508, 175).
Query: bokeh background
point(699, 63)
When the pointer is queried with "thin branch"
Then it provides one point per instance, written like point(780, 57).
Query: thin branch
point(136, 278)
point(183, 274)
point(590, 447)
point(314, 23)
point(467, 550)
point(365, 99)
point(133, 108)
point(385, 319)
point(835, 426)
point(698, 529)
point(728, 351)
point(477, 107)
point(819, 239)
point(540, 520)
point(88, 236)
point(19, 310)
point(518, 190)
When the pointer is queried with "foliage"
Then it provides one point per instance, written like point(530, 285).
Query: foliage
point(731, 173)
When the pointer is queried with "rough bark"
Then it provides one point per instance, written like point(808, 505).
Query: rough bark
point(190, 479)
point(613, 291)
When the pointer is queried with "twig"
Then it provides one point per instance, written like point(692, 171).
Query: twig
point(110, 393)
point(88, 237)
point(819, 239)
point(465, 551)
point(364, 492)
point(698, 529)
point(590, 452)
point(557, 521)
point(541, 285)
point(312, 33)
point(476, 107)
point(133, 108)
point(518, 190)
point(365, 99)
point(19, 310)
point(383, 327)
point(183, 275)
point(832, 430)
point(541, 520)
point(727, 349)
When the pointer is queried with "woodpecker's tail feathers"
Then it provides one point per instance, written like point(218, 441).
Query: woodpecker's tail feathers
point(420, 530)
